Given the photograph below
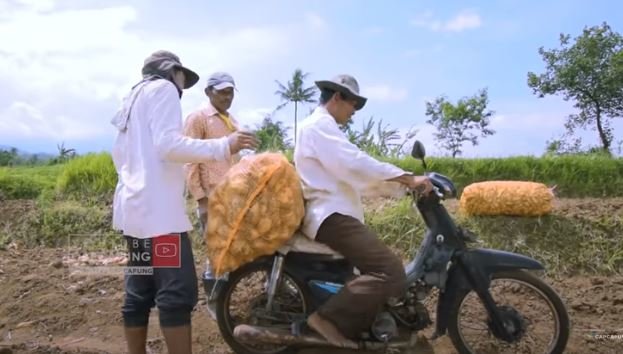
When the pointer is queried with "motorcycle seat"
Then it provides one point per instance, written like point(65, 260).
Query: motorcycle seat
point(303, 244)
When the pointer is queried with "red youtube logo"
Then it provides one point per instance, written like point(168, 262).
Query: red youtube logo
point(166, 251)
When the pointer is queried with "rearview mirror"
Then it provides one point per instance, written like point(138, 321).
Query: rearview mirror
point(418, 151)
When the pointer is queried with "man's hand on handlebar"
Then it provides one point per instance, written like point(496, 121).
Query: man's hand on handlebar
point(421, 184)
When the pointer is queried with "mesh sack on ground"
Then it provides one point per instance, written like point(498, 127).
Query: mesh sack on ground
point(513, 198)
point(253, 211)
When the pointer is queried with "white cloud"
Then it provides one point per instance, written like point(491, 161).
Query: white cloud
point(515, 134)
point(103, 58)
point(316, 22)
point(426, 20)
point(464, 20)
point(80, 57)
point(70, 31)
point(522, 127)
point(527, 122)
point(251, 117)
point(89, 62)
point(10, 7)
point(384, 93)
point(415, 53)
point(25, 120)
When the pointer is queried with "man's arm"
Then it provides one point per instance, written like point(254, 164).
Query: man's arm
point(404, 179)
point(166, 127)
point(343, 158)
point(194, 128)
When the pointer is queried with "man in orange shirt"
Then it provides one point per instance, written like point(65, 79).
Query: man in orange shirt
point(213, 121)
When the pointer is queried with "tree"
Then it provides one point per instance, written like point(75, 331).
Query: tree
point(565, 145)
point(295, 92)
point(64, 154)
point(384, 143)
point(272, 135)
point(33, 159)
point(457, 124)
point(8, 157)
point(590, 72)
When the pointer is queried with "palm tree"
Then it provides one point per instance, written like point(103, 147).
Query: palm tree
point(295, 92)
point(65, 154)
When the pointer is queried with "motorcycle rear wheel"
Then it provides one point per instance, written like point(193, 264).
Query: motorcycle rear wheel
point(291, 298)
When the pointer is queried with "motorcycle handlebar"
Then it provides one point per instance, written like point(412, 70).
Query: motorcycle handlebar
point(416, 193)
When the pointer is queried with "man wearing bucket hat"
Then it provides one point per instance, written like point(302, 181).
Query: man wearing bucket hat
point(211, 122)
point(149, 203)
point(334, 172)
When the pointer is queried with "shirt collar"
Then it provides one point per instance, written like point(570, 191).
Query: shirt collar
point(209, 109)
point(321, 110)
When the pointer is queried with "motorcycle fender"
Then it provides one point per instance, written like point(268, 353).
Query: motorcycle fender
point(473, 268)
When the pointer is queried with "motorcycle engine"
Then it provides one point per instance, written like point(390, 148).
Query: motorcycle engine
point(412, 313)
point(384, 327)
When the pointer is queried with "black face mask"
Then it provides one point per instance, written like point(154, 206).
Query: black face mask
point(168, 77)
point(180, 92)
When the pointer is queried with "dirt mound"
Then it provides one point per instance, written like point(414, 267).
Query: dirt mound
point(48, 305)
point(52, 304)
point(590, 208)
point(52, 301)
point(13, 215)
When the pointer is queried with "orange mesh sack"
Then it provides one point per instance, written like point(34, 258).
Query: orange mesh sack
point(253, 211)
point(514, 198)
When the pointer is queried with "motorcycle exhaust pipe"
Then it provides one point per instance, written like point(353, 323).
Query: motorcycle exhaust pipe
point(266, 335)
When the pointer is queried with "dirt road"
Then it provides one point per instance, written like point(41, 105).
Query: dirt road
point(48, 306)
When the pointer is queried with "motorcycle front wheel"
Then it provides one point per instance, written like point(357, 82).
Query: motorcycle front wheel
point(531, 309)
point(243, 298)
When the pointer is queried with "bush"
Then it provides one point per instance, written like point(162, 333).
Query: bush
point(63, 223)
point(582, 237)
point(26, 182)
point(94, 176)
point(91, 176)
point(573, 176)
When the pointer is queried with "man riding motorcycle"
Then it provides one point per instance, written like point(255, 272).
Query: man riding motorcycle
point(333, 172)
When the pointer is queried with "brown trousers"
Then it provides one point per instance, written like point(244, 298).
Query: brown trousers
point(355, 307)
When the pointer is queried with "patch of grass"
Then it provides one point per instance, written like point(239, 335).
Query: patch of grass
point(73, 199)
point(397, 225)
point(581, 237)
point(563, 242)
point(573, 176)
point(27, 182)
point(63, 223)
point(91, 176)
point(5, 240)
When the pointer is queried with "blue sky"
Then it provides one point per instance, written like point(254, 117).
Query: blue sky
point(65, 64)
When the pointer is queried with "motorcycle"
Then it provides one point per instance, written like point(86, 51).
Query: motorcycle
point(260, 303)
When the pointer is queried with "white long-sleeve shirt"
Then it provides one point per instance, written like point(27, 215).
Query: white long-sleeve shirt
point(149, 155)
point(333, 171)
